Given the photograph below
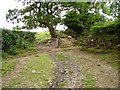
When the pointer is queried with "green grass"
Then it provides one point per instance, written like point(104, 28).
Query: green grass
point(37, 72)
point(42, 36)
point(61, 56)
point(62, 84)
point(89, 81)
point(8, 66)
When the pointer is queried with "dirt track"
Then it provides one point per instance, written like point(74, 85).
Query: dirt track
point(72, 72)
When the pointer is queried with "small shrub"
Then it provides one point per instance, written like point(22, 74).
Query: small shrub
point(21, 42)
point(13, 50)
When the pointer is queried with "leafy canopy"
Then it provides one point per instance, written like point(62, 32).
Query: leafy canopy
point(36, 14)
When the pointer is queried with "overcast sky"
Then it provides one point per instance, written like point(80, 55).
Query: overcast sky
point(11, 4)
point(4, 6)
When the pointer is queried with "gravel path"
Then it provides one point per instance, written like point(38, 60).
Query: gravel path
point(67, 73)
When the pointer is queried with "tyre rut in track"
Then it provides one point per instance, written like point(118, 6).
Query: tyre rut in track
point(67, 73)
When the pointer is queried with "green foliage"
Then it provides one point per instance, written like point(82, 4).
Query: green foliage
point(80, 15)
point(37, 14)
point(21, 42)
point(114, 8)
point(101, 36)
point(13, 50)
point(29, 36)
point(110, 27)
point(73, 22)
point(14, 40)
point(71, 32)
point(8, 39)
point(80, 18)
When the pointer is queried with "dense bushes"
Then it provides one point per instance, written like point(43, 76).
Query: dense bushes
point(13, 40)
point(73, 21)
point(72, 33)
point(101, 35)
point(110, 27)
point(91, 28)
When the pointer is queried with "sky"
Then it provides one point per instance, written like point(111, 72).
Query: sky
point(11, 4)
point(4, 6)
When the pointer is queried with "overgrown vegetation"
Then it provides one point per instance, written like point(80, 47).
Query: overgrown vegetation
point(102, 38)
point(93, 31)
point(84, 20)
point(13, 41)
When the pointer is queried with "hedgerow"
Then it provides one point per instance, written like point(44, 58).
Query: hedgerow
point(12, 40)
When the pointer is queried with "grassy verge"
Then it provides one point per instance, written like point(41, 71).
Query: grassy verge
point(8, 66)
point(42, 36)
point(61, 56)
point(9, 61)
point(38, 72)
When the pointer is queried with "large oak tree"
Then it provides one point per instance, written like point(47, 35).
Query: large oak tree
point(37, 14)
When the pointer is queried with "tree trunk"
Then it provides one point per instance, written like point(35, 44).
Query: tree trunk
point(53, 34)
point(52, 31)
